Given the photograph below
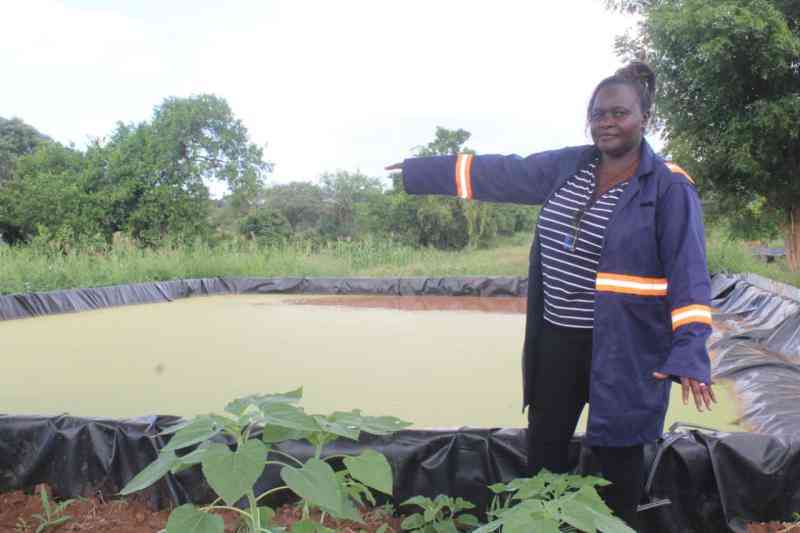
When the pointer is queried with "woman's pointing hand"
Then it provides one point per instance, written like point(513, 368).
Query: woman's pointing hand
point(703, 394)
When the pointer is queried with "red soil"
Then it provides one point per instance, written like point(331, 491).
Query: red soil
point(130, 515)
point(498, 304)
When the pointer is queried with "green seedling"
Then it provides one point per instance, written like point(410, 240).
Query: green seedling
point(232, 471)
point(22, 525)
point(549, 501)
point(52, 514)
point(439, 515)
point(795, 524)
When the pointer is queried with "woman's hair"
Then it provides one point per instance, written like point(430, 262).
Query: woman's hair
point(637, 75)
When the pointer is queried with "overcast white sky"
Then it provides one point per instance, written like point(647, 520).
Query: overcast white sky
point(326, 85)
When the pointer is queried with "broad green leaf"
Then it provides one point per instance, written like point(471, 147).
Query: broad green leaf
point(540, 525)
point(289, 416)
point(461, 504)
point(498, 488)
point(152, 473)
point(375, 425)
point(308, 526)
point(530, 488)
point(589, 497)
point(414, 521)
point(176, 427)
point(273, 434)
point(190, 459)
point(494, 525)
point(578, 515)
point(232, 474)
point(421, 501)
point(429, 514)
point(265, 516)
point(357, 491)
point(337, 428)
point(468, 520)
point(200, 429)
point(349, 511)
point(188, 519)
point(316, 482)
point(372, 469)
point(445, 527)
point(611, 524)
point(382, 529)
point(238, 406)
point(593, 481)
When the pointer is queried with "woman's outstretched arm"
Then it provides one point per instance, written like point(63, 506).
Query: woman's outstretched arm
point(494, 178)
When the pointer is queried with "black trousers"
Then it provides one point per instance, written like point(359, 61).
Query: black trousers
point(560, 391)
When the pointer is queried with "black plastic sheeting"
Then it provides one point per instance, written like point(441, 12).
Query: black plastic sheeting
point(69, 301)
point(759, 354)
point(715, 481)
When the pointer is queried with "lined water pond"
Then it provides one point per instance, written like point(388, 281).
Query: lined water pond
point(450, 362)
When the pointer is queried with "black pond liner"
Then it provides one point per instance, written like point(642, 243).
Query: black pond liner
point(715, 481)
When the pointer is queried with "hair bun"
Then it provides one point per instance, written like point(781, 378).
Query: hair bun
point(637, 71)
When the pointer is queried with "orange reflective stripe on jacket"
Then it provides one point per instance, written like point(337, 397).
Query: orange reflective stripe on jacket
point(622, 284)
point(691, 313)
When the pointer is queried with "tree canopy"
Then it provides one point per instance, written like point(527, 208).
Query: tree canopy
point(16, 140)
point(149, 179)
point(729, 98)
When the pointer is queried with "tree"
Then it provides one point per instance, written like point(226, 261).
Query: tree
point(300, 202)
point(266, 227)
point(148, 179)
point(342, 194)
point(158, 170)
point(47, 191)
point(452, 223)
point(729, 98)
point(16, 139)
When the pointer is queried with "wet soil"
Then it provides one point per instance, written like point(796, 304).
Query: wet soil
point(499, 304)
point(773, 527)
point(90, 515)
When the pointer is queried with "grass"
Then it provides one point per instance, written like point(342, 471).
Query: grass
point(732, 256)
point(39, 268)
point(32, 269)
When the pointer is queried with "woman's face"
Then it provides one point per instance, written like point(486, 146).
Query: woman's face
point(616, 120)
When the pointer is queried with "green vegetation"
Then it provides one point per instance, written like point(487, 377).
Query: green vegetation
point(728, 102)
point(53, 514)
point(148, 180)
point(149, 183)
point(442, 514)
point(232, 473)
point(548, 501)
point(253, 424)
point(42, 267)
point(730, 255)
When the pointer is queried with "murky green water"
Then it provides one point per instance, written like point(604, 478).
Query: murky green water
point(434, 368)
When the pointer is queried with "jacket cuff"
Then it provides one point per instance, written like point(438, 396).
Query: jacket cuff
point(689, 356)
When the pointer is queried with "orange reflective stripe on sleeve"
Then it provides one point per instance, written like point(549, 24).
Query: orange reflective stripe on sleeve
point(691, 313)
point(464, 176)
point(678, 170)
point(640, 286)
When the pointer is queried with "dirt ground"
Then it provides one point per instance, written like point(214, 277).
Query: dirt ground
point(499, 304)
point(89, 515)
point(773, 527)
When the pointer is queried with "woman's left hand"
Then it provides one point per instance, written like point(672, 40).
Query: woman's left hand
point(703, 394)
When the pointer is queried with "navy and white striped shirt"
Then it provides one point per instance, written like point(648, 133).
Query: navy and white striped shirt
point(569, 271)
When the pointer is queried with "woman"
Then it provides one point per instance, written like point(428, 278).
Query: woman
point(618, 293)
